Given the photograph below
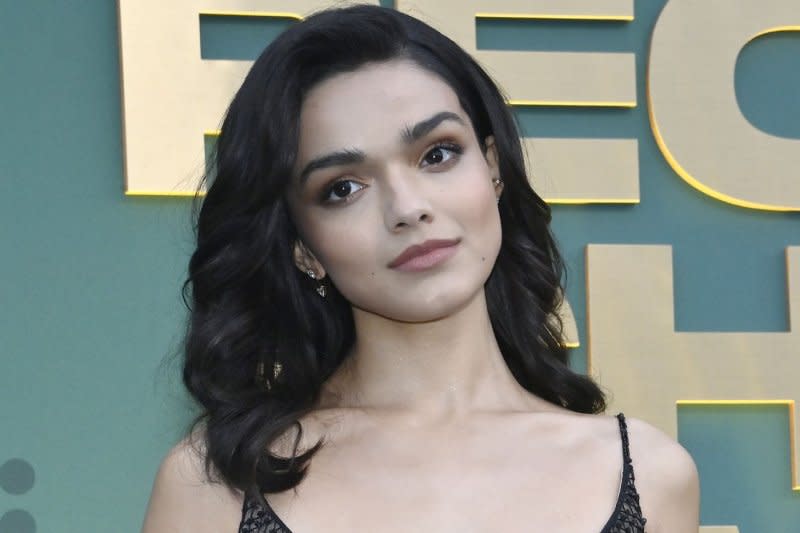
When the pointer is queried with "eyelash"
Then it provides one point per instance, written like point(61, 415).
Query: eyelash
point(454, 149)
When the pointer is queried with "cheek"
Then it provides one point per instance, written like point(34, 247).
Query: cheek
point(347, 253)
point(358, 274)
point(476, 208)
point(490, 237)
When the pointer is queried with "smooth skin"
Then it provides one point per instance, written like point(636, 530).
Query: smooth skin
point(425, 427)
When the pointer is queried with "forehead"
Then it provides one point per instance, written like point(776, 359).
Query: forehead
point(370, 105)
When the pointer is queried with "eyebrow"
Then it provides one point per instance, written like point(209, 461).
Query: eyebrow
point(421, 129)
point(352, 156)
point(333, 159)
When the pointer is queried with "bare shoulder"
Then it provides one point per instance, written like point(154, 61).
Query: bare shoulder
point(666, 479)
point(184, 500)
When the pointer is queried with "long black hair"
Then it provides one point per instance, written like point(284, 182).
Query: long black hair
point(260, 343)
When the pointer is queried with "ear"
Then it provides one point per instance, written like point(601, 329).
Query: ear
point(304, 260)
point(491, 161)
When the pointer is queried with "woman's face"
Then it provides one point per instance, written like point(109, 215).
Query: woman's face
point(387, 160)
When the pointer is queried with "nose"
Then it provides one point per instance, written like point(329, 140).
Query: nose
point(406, 203)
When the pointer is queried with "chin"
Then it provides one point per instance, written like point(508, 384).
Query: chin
point(418, 306)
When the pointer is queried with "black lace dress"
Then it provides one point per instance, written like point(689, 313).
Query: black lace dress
point(626, 518)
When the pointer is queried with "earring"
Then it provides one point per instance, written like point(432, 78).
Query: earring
point(261, 378)
point(496, 182)
point(321, 290)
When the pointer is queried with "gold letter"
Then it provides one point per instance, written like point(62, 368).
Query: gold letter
point(693, 109)
point(170, 94)
point(635, 351)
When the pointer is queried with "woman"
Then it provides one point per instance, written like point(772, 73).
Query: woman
point(373, 314)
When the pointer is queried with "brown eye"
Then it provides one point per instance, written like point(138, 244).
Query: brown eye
point(441, 153)
point(435, 156)
point(341, 191)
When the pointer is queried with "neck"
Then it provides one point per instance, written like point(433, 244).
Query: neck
point(444, 369)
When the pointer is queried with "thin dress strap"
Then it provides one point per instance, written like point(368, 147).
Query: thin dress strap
point(627, 517)
point(623, 432)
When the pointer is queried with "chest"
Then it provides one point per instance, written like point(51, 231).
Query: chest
point(509, 491)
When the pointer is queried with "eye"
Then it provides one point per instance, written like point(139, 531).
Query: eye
point(341, 191)
point(441, 153)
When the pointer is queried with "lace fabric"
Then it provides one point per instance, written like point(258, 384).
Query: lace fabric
point(626, 518)
point(257, 519)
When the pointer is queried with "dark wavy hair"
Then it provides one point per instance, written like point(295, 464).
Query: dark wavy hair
point(260, 343)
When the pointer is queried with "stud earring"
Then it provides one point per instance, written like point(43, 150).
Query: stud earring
point(321, 290)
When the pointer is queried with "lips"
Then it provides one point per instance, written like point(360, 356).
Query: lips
point(420, 250)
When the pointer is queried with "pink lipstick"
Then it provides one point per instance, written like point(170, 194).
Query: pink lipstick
point(426, 255)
